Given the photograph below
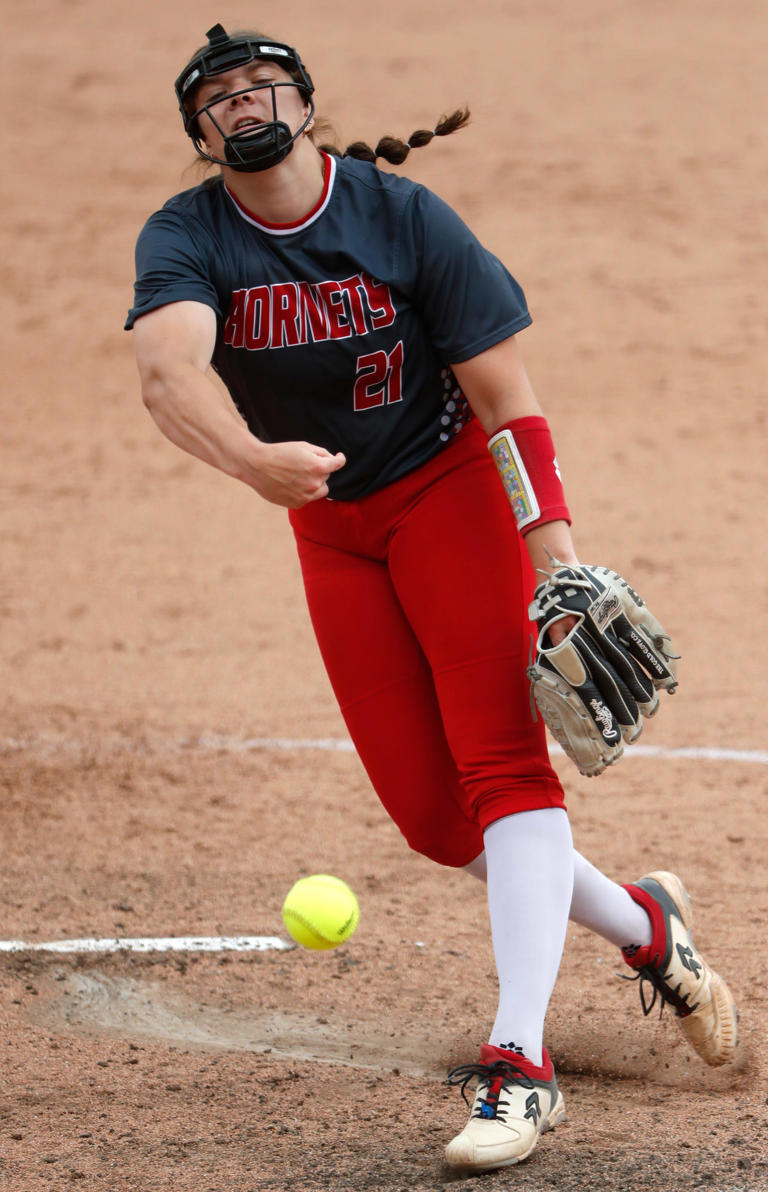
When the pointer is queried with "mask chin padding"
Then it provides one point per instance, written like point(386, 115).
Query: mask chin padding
point(258, 149)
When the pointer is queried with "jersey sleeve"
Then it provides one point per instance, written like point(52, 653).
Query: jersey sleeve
point(467, 297)
point(170, 267)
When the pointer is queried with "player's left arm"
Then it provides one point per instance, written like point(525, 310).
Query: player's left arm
point(498, 389)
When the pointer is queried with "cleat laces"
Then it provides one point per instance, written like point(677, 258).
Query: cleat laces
point(496, 1077)
point(661, 991)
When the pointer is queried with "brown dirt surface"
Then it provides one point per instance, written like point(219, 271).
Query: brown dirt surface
point(155, 641)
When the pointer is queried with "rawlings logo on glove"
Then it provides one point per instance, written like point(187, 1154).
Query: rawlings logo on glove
point(594, 687)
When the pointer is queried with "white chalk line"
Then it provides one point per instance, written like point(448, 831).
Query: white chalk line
point(247, 744)
point(343, 745)
point(189, 943)
point(54, 743)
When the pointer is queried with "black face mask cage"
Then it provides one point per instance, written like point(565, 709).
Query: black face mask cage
point(250, 149)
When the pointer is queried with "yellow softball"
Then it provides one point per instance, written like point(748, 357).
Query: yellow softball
point(320, 911)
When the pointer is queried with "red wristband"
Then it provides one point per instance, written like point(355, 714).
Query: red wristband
point(524, 454)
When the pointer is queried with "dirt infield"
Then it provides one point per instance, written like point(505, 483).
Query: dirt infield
point(160, 673)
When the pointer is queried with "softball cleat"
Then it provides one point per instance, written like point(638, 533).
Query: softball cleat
point(678, 973)
point(515, 1102)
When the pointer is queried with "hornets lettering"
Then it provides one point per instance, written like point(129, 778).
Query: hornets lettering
point(287, 314)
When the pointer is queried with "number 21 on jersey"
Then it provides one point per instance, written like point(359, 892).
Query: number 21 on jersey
point(379, 379)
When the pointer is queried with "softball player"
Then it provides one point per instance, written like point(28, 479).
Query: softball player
point(370, 344)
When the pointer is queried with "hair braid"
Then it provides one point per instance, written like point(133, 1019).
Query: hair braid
point(395, 151)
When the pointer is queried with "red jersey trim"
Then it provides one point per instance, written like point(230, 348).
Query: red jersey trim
point(288, 229)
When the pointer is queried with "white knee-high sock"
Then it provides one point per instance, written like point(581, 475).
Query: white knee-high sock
point(598, 904)
point(530, 878)
point(606, 908)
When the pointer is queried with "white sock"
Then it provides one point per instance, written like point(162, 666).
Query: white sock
point(530, 879)
point(606, 908)
point(598, 904)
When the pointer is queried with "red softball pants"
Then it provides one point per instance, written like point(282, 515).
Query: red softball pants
point(418, 596)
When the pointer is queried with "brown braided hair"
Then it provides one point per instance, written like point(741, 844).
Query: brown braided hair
point(395, 151)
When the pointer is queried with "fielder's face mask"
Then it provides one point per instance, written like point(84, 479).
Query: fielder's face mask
point(250, 149)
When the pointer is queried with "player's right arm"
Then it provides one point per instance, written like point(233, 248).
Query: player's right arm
point(174, 347)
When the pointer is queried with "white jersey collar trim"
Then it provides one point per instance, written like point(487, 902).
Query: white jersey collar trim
point(329, 175)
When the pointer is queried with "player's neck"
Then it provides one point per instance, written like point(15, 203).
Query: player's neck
point(287, 192)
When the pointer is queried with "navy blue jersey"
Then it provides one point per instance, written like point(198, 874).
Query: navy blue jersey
point(339, 329)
